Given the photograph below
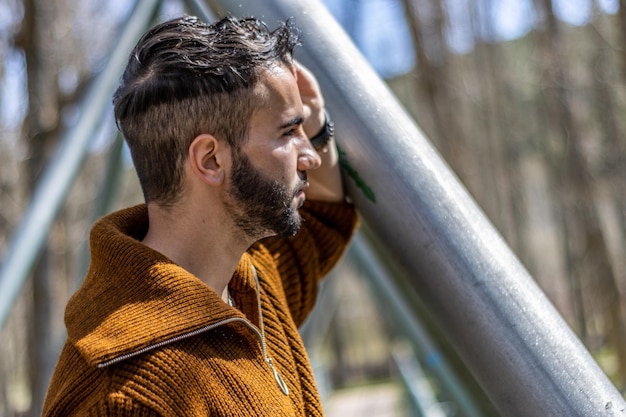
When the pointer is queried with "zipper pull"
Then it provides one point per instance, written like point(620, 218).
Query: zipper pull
point(279, 379)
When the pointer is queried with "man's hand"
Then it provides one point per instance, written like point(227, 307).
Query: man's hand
point(325, 181)
point(312, 100)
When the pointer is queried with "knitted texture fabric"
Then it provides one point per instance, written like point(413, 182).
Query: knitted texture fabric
point(147, 338)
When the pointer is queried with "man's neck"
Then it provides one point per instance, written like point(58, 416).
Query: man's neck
point(202, 244)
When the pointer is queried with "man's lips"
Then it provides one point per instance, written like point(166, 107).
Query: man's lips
point(301, 191)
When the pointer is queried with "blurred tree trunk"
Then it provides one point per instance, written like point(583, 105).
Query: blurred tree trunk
point(606, 110)
point(622, 30)
point(616, 143)
point(589, 261)
point(615, 165)
point(552, 114)
point(500, 171)
point(427, 32)
point(39, 132)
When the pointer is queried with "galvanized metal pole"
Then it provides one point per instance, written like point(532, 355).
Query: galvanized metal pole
point(56, 180)
point(515, 343)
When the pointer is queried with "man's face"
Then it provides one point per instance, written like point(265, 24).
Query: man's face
point(268, 175)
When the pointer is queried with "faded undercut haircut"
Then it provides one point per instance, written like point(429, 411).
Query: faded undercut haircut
point(185, 78)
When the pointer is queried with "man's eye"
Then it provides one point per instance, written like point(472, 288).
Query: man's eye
point(291, 132)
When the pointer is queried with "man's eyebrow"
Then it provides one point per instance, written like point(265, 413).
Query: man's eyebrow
point(293, 122)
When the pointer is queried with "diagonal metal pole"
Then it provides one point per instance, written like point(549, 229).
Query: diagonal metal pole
point(510, 336)
point(30, 235)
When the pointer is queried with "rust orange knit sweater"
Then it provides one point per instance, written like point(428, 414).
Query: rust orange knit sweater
point(146, 338)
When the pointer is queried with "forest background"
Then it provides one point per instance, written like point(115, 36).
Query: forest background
point(525, 100)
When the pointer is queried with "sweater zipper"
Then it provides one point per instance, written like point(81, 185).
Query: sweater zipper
point(279, 379)
point(260, 335)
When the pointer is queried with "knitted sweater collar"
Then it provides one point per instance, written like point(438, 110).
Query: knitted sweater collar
point(134, 297)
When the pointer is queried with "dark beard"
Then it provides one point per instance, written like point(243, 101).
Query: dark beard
point(263, 206)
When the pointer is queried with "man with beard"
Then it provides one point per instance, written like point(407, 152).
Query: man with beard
point(192, 301)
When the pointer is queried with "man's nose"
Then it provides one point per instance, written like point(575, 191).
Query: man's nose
point(308, 157)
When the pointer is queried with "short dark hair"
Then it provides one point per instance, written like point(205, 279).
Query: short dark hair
point(186, 77)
